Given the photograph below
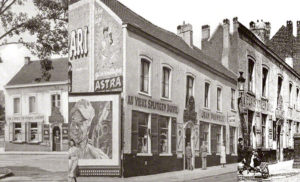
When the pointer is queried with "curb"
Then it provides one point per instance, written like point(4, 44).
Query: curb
point(212, 175)
point(33, 153)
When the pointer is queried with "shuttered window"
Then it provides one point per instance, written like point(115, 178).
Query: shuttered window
point(154, 134)
point(174, 135)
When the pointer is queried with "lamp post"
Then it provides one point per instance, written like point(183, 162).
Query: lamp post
point(241, 88)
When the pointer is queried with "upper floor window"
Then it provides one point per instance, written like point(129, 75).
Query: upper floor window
point(297, 98)
point(251, 80)
point(189, 87)
point(206, 95)
point(55, 101)
point(32, 104)
point(264, 81)
point(145, 78)
point(17, 106)
point(290, 94)
point(232, 99)
point(219, 99)
point(166, 82)
point(279, 85)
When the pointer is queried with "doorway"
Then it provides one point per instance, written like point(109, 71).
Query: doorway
point(56, 139)
point(188, 139)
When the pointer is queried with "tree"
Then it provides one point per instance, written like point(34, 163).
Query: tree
point(49, 25)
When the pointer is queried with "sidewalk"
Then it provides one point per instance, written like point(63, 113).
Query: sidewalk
point(2, 152)
point(169, 176)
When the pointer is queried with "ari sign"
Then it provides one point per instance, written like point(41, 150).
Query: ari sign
point(109, 84)
point(79, 43)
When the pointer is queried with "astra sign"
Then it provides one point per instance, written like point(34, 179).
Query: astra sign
point(78, 43)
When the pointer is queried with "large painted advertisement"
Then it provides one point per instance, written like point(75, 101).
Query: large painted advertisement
point(95, 128)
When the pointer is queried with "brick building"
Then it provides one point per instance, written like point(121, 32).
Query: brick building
point(170, 93)
point(269, 102)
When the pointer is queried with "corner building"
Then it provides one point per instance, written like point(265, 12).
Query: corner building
point(170, 92)
point(269, 107)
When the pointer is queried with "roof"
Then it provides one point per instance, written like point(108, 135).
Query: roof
point(129, 17)
point(32, 71)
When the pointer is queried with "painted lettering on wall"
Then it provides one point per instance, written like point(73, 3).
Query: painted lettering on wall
point(79, 43)
point(109, 84)
point(151, 104)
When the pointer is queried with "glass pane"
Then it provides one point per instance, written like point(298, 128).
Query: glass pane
point(16, 105)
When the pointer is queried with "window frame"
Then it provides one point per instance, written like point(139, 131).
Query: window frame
point(170, 82)
point(280, 91)
point(297, 98)
point(20, 104)
point(266, 91)
point(189, 75)
point(252, 83)
point(60, 100)
point(149, 152)
point(221, 89)
point(35, 98)
point(169, 125)
point(208, 95)
point(146, 59)
point(233, 99)
point(290, 94)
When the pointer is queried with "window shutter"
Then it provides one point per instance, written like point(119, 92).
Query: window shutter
point(40, 131)
point(28, 132)
point(11, 131)
point(174, 135)
point(154, 134)
point(134, 132)
point(23, 130)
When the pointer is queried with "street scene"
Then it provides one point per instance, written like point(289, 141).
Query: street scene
point(108, 90)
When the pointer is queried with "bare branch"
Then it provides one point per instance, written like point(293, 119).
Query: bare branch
point(8, 6)
point(11, 30)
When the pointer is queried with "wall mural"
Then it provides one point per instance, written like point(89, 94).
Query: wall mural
point(108, 45)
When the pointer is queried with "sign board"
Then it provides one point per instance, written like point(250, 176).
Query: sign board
point(35, 118)
point(109, 84)
point(210, 116)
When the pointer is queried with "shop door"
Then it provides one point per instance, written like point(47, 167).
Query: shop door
point(188, 141)
point(56, 139)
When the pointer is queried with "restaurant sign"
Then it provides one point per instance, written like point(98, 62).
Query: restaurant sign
point(109, 84)
point(210, 116)
point(35, 118)
point(151, 104)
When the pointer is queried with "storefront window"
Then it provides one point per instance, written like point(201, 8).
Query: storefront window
point(17, 132)
point(32, 104)
point(215, 138)
point(263, 129)
point(232, 140)
point(143, 137)
point(164, 135)
point(16, 105)
point(204, 132)
point(33, 132)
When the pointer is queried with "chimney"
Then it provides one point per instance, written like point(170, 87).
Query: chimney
point(226, 42)
point(235, 24)
point(289, 26)
point(205, 32)
point(185, 31)
point(26, 60)
point(268, 31)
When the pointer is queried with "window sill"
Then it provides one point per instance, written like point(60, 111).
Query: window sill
point(144, 94)
point(144, 154)
point(206, 108)
point(165, 99)
point(166, 154)
point(220, 112)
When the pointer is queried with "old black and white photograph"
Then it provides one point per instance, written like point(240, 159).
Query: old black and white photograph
point(140, 90)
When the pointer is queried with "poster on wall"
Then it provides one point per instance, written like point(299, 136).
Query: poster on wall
point(179, 139)
point(95, 128)
point(196, 140)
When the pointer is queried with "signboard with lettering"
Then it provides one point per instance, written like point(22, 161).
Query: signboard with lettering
point(79, 43)
point(207, 115)
point(109, 84)
point(151, 104)
point(36, 118)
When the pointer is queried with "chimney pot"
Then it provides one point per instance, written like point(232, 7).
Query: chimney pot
point(205, 32)
point(185, 31)
point(235, 19)
point(226, 21)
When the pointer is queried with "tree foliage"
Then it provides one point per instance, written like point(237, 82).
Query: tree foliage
point(48, 24)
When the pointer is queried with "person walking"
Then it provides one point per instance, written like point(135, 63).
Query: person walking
point(203, 151)
point(73, 161)
point(241, 154)
point(188, 156)
point(223, 155)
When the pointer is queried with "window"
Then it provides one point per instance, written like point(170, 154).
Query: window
point(232, 140)
point(264, 81)
point(215, 138)
point(290, 94)
point(297, 98)
point(219, 95)
point(274, 130)
point(17, 107)
point(206, 95)
point(279, 85)
point(32, 104)
point(204, 131)
point(17, 132)
point(33, 132)
point(251, 75)
point(263, 129)
point(297, 129)
point(55, 101)
point(189, 88)
point(232, 99)
point(164, 135)
point(143, 135)
point(145, 78)
point(166, 82)
point(140, 132)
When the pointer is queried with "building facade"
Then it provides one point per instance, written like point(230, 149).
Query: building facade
point(37, 109)
point(170, 92)
point(269, 101)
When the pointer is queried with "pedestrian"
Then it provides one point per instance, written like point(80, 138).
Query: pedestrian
point(188, 156)
point(203, 151)
point(241, 155)
point(223, 155)
point(73, 161)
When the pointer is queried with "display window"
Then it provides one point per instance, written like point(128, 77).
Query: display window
point(17, 132)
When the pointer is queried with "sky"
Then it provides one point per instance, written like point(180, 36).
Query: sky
point(168, 14)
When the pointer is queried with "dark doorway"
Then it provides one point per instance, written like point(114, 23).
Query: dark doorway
point(187, 136)
point(56, 139)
